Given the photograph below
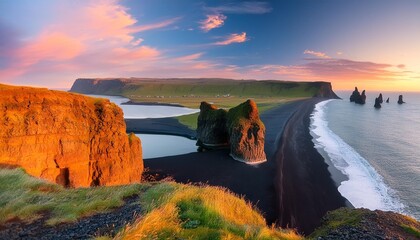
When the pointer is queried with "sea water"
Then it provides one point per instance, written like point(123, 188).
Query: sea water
point(156, 145)
point(377, 149)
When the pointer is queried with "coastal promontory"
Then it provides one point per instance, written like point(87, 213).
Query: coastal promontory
point(66, 138)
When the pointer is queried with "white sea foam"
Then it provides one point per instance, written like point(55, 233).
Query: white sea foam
point(147, 111)
point(364, 187)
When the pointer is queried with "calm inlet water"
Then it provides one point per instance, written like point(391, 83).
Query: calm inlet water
point(377, 149)
point(147, 111)
point(155, 145)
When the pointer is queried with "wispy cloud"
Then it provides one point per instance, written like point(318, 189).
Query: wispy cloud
point(212, 21)
point(233, 38)
point(316, 54)
point(251, 7)
point(190, 57)
point(153, 26)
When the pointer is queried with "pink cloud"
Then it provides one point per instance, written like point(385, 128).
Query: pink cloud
point(212, 21)
point(316, 54)
point(233, 38)
point(152, 26)
point(191, 57)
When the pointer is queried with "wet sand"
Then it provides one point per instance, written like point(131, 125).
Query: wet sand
point(293, 188)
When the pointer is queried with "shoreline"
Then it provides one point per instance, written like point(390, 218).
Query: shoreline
point(309, 196)
point(306, 190)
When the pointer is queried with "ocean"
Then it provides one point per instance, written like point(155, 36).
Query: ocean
point(377, 149)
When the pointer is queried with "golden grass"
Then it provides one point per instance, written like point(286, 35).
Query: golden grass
point(25, 197)
point(189, 212)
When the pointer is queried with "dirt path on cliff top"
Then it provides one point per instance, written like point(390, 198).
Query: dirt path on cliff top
point(293, 188)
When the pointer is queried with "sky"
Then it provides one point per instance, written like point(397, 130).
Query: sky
point(372, 44)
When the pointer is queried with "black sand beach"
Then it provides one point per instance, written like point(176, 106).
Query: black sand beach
point(293, 188)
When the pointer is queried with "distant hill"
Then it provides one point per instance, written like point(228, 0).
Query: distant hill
point(204, 87)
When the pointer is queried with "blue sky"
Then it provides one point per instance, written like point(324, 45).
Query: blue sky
point(370, 43)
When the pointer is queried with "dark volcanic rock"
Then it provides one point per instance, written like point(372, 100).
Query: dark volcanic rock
point(358, 98)
point(211, 126)
point(240, 128)
point(380, 99)
point(387, 100)
point(377, 102)
point(355, 224)
point(362, 99)
point(400, 99)
point(247, 133)
point(355, 95)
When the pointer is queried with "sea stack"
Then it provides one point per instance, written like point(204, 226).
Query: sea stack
point(240, 128)
point(67, 138)
point(246, 133)
point(381, 100)
point(358, 98)
point(211, 127)
point(400, 99)
point(387, 100)
point(377, 102)
point(355, 95)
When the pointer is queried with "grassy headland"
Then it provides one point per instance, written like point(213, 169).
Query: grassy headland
point(171, 210)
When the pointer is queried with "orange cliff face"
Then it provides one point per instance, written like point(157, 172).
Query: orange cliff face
point(67, 138)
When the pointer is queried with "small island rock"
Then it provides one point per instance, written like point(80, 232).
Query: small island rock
point(400, 99)
point(358, 98)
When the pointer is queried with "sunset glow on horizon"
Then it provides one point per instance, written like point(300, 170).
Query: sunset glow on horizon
point(371, 44)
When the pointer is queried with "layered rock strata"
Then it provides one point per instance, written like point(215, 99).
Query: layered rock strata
point(70, 139)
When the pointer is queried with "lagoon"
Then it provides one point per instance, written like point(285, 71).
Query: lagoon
point(146, 111)
point(156, 145)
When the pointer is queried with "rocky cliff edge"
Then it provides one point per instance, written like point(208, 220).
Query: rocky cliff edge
point(70, 139)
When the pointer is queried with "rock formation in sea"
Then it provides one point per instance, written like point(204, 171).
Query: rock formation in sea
point(246, 133)
point(362, 99)
point(381, 100)
point(387, 100)
point(70, 139)
point(355, 95)
point(400, 99)
point(240, 128)
point(378, 102)
point(358, 98)
point(211, 126)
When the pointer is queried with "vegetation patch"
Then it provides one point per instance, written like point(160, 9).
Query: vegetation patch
point(338, 218)
point(176, 211)
point(25, 197)
point(411, 230)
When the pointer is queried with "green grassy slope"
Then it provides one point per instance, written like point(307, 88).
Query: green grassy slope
point(171, 210)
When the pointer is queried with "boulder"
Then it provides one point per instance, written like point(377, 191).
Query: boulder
point(400, 99)
point(246, 133)
point(211, 127)
point(66, 138)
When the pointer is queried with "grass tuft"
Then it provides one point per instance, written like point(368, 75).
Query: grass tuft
point(26, 197)
point(175, 211)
